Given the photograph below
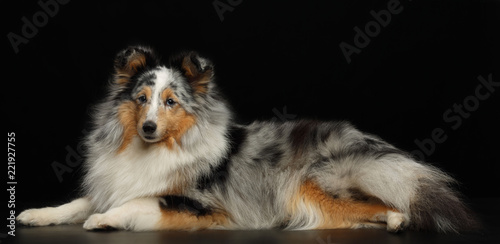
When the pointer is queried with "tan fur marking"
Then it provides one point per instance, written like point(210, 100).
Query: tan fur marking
point(137, 62)
point(168, 93)
point(142, 110)
point(146, 91)
point(175, 121)
point(122, 79)
point(189, 67)
point(337, 213)
point(131, 114)
point(174, 220)
point(128, 119)
point(134, 63)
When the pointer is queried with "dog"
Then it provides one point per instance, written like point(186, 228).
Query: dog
point(165, 153)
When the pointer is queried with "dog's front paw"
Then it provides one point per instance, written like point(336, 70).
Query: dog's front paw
point(37, 217)
point(100, 222)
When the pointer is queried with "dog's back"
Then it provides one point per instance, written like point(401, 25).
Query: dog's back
point(304, 174)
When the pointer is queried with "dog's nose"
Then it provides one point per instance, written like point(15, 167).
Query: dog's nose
point(149, 127)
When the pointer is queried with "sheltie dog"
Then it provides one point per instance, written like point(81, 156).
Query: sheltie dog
point(165, 153)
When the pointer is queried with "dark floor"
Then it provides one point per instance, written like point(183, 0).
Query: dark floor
point(75, 234)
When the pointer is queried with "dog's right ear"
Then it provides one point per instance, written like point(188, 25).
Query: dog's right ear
point(132, 60)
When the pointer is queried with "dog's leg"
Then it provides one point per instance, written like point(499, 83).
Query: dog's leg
point(74, 212)
point(366, 215)
point(146, 214)
point(326, 212)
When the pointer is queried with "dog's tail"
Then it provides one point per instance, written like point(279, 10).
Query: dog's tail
point(423, 192)
point(437, 206)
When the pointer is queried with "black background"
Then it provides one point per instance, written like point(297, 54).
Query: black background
point(268, 56)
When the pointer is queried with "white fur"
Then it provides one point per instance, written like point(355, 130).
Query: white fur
point(74, 212)
point(396, 221)
point(141, 214)
point(306, 218)
point(141, 170)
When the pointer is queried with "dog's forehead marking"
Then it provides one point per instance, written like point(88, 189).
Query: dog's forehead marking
point(164, 77)
point(157, 79)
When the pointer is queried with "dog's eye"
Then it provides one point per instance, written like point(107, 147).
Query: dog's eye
point(142, 99)
point(170, 102)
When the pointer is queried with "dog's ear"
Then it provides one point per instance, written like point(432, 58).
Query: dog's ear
point(197, 70)
point(132, 60)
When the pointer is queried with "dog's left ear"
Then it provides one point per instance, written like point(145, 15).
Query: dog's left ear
point(197, 70)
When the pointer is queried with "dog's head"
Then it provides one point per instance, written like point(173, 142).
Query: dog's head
point(158, 101)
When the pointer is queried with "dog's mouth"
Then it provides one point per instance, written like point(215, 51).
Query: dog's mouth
point(150, 138)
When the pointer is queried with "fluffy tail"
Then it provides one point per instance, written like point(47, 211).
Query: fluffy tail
point(437, 206)
point(423, 192)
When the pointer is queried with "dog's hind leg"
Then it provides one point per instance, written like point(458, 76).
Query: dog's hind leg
point(313, 208)
point(73, 212)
